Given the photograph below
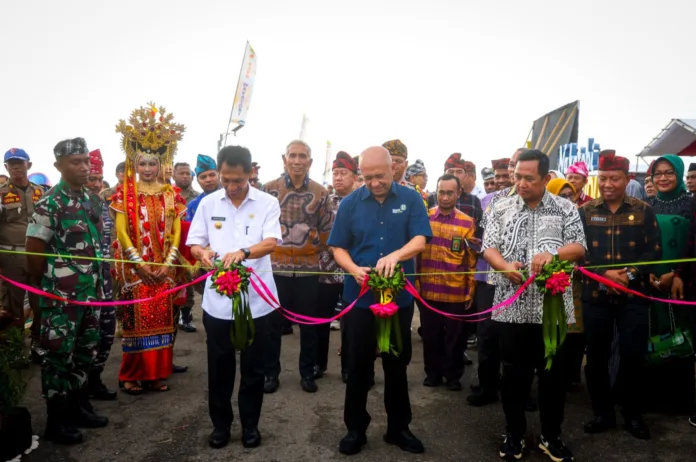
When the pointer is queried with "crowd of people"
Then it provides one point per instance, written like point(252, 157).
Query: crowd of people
point(465, 247)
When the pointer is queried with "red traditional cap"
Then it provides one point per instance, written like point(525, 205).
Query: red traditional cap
point(454, 161)
point(344, 160)
point(96, 164)
point(500, 164)
point(608, 161)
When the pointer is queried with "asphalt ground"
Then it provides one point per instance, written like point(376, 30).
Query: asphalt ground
point(297, 426)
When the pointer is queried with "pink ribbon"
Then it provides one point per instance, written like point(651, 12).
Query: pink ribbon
point(504, 304)
point(613, 285)
point(113, 303)
point(265, 293)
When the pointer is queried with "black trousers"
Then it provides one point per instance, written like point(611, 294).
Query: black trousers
point(297, 294)
point(222, 367)
point(360, 329)
point(574, 353)
point(521, 353)
point(186, 315)
point(631, 320)
point(443, 341)
point(488, 342)
point(328, 298)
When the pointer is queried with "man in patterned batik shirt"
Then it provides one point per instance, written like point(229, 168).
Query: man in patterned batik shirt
point(67, 221)
point(306, 219)
point(528, 231)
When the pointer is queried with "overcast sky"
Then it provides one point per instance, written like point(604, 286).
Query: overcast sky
point(457, 76)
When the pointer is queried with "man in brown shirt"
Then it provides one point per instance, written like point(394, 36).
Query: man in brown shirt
point(306, 218)
point(17, 199)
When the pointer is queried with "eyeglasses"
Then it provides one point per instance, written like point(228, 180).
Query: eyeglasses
point(570, 197)
point(667, 174)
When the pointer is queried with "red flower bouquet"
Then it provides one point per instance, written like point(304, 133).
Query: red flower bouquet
point(553, 282)
point(233, 283)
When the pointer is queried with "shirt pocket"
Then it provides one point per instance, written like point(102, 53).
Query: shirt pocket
point(78, 242)
point(12, 212)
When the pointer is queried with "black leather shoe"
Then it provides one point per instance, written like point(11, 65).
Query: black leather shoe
point(189, 327)
point(318, 372)
point(61, 433)
point(101, 393)
point(309, 385)
point(82, 418)
point(219, 438)
point(97, 390)
point(179, 369)
point(405, 440)
point(600, 424)
point(454, 385)
point(431, 381)
point(271, 384)
point(467, 360)
point(251, 437)
point(637, 428)
point(352, 443)
point(480, 398)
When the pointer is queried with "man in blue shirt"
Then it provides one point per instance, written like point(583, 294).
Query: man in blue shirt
point(208, 180)
point(379, 225)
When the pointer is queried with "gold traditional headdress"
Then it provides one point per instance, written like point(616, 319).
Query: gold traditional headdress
point(150, 131)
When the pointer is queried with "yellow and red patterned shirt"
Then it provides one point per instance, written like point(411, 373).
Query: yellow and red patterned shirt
point(446, 254)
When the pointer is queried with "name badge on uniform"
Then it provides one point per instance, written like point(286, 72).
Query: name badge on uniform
point(218, 221)
point(598, 219)
point(456, 244)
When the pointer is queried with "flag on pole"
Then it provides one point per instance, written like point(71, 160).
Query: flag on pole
point(245, 87)
point(303, 127)
point(328, 163)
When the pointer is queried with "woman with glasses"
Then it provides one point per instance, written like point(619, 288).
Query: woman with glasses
point(671, 381)
point(562, 188)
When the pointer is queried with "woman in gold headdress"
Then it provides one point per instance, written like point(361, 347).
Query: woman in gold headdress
point(148, 226)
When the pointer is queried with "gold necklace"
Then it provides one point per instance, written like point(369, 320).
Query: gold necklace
point(150, 187)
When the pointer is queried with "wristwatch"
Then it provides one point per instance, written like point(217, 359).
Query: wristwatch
point(630, 274)
point(247, 252)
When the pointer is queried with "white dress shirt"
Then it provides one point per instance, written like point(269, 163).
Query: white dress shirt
point(226, 229)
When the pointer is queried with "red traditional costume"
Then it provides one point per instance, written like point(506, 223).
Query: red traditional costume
point(153, 215)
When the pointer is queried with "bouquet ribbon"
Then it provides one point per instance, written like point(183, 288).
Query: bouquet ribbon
point(267, 296)
point(504, 304)
point(619, 287)
point(42, 293)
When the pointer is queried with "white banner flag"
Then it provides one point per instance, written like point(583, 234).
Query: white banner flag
point(303, 127)
point(245, 86)
point(328, 164)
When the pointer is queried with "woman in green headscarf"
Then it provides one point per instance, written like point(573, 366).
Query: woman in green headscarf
point(672, 206)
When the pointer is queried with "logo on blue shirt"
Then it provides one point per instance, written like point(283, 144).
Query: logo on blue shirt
point(400, 210)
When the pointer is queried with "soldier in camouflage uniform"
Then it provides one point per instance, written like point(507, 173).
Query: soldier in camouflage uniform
point(107, 318)
point(67, 221)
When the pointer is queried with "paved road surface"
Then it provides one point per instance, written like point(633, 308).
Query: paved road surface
point(297, 426)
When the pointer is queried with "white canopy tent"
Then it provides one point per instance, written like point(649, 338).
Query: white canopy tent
point(678, 137)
